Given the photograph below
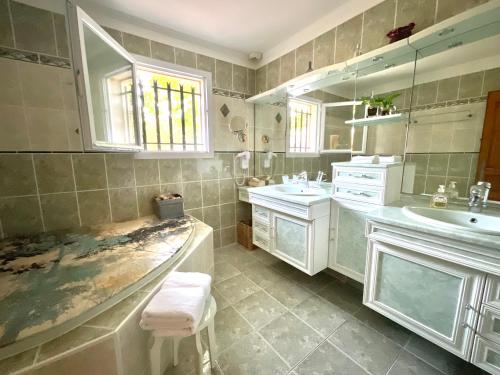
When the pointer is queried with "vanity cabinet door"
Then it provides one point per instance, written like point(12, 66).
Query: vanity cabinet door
point(348, 239)
point(291, 239)
point(436, 299)
point(486, 355)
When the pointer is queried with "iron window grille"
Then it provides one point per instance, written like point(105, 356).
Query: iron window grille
point(303, 126)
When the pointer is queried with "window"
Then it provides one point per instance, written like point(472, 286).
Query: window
point(173, 107)
point(129, 102)
point(303, 127)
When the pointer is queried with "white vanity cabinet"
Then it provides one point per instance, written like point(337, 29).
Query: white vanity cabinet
point(348, 241)
point(445, 290)
point(295, 233)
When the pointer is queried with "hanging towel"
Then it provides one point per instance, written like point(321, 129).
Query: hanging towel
point(372, 159)
point(188, 279)
point(174, 307)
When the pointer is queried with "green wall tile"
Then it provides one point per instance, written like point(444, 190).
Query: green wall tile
point(470, 85)
point(432, 183)
point(192, 195)
point(123, 204)
point(174, 187)
point(146, 172)
point(190, 171)
point(210, 191)
point(250, 82)
point(211, 216)
point(20, 216)
point(170, 170)
point(61, 36)
point(115, 34)
point(459, 165)
point(60, 211)
point(450, 8)
point(223, 75)
point(273, 74)
point(303, 55)
point(377, 21)
point(94, 207)
point(261, 79)
point(54, 173)
point(227, 236)
point(227, 190)
point(196, 212)
point(17, 176)
point(185, 58)
point(33, 28)
point(120, 170)
point(239, 78)
point(491, 80)
point(438, 164)
point(145, 195)
point(324, 49)
point(227, 214)
point(348, 38)
point(421, 12)
point(162, 51)
point(136, 44)
point(287, 64)
point(448, 89)
point(207, 64)
point(427, 93)
point(90, 171)
point(6, 38)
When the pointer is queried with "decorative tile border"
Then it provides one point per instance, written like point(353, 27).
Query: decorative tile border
point(36, 58)
point(450, 103)
point(231, 94)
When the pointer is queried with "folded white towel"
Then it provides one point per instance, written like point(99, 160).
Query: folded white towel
point(390, 159)
point(174, 332)
point(371, 159)
point(182, 306)
point(188, 279)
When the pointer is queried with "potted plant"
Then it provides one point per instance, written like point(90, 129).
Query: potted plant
point(387, 104)
point(371, 108)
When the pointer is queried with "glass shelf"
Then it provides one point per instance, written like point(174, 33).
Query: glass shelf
point(379, 120)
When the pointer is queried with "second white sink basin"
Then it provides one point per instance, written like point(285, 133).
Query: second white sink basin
point(463, 220)
point(298, 190)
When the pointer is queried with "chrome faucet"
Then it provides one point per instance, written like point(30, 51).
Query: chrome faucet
point(302, 177)
point(478, 198)
point(321, 177)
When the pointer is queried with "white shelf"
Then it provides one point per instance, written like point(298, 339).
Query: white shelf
point(378, 120)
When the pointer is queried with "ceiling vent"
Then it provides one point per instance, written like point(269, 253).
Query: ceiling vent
point(255, 56)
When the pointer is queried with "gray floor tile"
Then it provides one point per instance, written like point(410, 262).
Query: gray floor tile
point(259, 309)
point(313, 283)
point(229, 327)
point(251, 356)
point(262, 275)
point(224, 271)
point(286, 269)
point(188, 358)
point(343, 295)
point(243, 261)
point(291, 338)
point(385, 326)
point(370, 349)
point(408, 364)
point(288, 293)
point(222, 303)
point(264, 257)
point(328, 360)
point(236, 288)
point(439, 358)
point(321, 315)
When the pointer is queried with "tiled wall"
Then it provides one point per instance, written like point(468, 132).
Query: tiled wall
point(367, 30)
point(52, 191)
point(38, 112)
point(437, 169)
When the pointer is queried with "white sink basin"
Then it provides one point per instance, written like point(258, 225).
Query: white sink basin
point(298, 190)
point(470, 221)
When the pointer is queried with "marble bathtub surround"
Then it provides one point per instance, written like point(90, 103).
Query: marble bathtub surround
point(328, 332)
point(88, 269)
point(58, 191)
point(366, 31)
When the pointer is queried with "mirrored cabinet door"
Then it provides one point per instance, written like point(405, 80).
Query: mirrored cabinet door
point(105, 76)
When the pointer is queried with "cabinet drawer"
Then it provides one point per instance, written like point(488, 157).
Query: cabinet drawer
point(261, 240)
point(486, 355)
point(260, 213)
point(489, 324)
point(370, 194)
point(492, 291)
point(360, 176)
point(259, 226)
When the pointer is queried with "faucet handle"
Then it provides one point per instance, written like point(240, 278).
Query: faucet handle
point(486, 186)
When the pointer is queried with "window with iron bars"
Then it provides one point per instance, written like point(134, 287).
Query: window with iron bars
point(173, 110)
point(303, 126)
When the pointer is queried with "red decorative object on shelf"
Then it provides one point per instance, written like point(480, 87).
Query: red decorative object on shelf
point(400, 32)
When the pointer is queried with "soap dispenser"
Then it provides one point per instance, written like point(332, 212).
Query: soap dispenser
point(451, 191)
point(439, 199)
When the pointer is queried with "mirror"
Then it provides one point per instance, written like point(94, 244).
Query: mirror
point(448, 110)
point(104, 74)
point(238, 126)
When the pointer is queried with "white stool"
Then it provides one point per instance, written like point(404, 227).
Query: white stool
point(207, 320)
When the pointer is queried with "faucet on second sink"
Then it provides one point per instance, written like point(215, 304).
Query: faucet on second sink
point(478, 198)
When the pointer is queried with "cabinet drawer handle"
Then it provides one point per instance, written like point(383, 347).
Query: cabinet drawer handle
point(466, 325)
point(469, 307)
point(363, 194)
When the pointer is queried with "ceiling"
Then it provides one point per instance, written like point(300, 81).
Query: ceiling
point(243, 26)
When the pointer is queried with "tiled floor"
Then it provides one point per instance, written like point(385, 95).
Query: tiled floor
point(273, 319)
